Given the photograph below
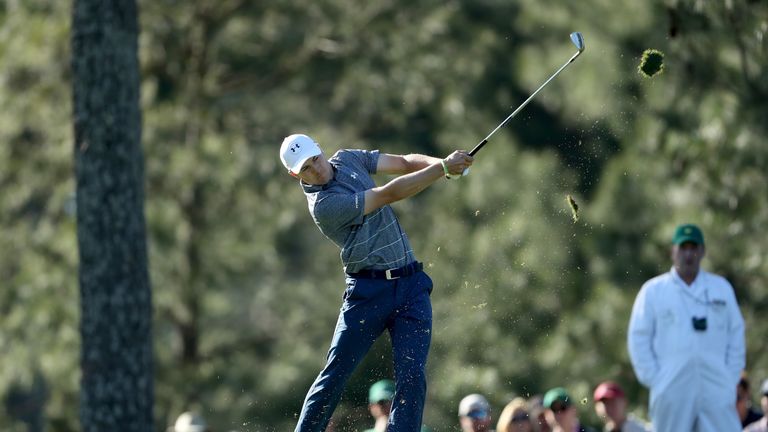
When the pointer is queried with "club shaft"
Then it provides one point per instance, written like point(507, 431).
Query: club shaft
point(506, 120)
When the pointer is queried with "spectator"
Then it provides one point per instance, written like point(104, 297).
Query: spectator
point(380, 403)
point(611, 407)
point(189, 422)
point(538, 414)
point(561, 412)
point(761, 425)
point(380, 397)
point(747, 413)
point(475, 414)
point(515, 417)
point(686, 342)
point(331, 425)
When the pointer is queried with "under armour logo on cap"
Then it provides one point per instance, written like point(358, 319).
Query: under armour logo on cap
point(296, 149)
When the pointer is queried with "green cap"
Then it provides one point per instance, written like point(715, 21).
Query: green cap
point(557, 394)
point(383, 390)
point(687, 233)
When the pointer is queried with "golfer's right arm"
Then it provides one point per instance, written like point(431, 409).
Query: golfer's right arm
point(410, 184)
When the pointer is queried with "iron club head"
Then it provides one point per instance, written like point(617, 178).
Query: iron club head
point(578, 40)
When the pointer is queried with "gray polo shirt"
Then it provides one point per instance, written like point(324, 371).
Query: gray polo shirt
point(372, 241)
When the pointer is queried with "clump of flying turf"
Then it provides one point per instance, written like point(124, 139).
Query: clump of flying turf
point(574, 208)
point(651, 63)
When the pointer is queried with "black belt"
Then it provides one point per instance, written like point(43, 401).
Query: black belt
point(397, 273)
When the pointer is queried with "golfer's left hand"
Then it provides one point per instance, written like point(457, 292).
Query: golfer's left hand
point(458, 161)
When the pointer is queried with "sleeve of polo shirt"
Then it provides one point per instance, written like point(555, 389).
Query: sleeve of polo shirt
point(336, 210)
point(369, 159)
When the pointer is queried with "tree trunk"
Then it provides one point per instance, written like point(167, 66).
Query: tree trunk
point(117, 391)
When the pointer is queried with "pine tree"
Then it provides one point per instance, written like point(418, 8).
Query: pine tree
point(116, 357)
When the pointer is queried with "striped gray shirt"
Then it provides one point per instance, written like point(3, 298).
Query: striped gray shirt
point(372, 241)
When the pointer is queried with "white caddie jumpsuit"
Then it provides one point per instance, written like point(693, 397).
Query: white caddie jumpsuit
point(692, 375)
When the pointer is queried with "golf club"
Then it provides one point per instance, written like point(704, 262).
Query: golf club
point(577, 40)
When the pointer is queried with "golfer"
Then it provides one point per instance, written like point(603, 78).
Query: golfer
point(385, 285)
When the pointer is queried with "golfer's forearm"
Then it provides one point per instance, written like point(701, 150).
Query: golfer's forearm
point(402, 187)
point(410, 184)
point(415, 162)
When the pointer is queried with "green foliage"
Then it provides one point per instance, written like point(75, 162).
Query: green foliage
point(247, 290)
point(651, 63)
point(38, 249)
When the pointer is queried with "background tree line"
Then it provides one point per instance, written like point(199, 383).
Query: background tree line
point(246, 290)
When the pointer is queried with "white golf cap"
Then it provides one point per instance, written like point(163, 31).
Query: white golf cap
point(190, 422)
point(475, 406)
point(296, 149)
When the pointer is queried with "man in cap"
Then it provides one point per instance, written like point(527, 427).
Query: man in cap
point(386, 288)
point(686, 342)
point(747, 413)
point(762, 424)
point(475, 414)
point(380, 403)
point(561, 412)
point(611, 407)
point(538, 414)
point(189, 422)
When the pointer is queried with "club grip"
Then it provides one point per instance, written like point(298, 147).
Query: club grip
point(478, 147)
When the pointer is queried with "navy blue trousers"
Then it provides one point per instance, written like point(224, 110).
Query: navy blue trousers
point(401, 306)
